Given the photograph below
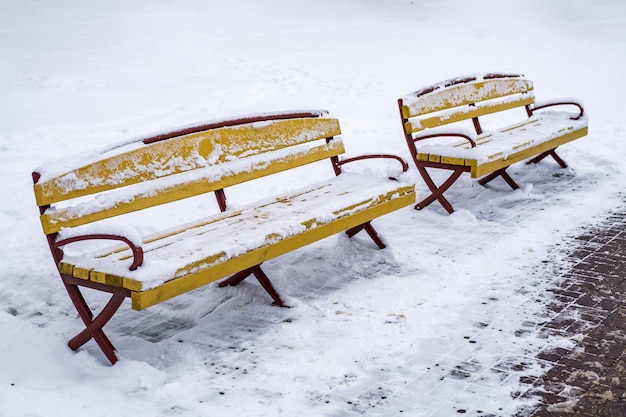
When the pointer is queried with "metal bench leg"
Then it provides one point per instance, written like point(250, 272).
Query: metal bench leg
point(370, 231)
point(552, 153)
point(267, 285)
point(260, 276)
point(499, 173)
point(236, 279)
point(437, 192)
point(93, 326)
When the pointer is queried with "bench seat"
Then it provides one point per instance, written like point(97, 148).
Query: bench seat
point(228, 242)
point(500, 148)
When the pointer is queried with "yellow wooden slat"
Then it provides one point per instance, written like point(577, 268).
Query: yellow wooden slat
point(464, 94)
point(81, 273)
point(182, 154)
point(107, 279)
point(66, 268)
point(465, 113)
point(140, 300)
point(412, 126)
point(481, 140)
point(522, 126)
point(478, 170)
point(452, 161)
point(522, 145)
point(471, 164)
point(53, 221)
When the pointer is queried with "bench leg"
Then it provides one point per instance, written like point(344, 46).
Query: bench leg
point(552, 153)
point(260, 276)
point(370, 231)
point(499, 173)
point(93, 326)
point(236, 279)
point(267, 285)
point(437, 191)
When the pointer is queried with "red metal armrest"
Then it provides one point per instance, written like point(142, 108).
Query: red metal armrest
point(137, 251)
point(443, 134)
point(338, 163)
point(532, 109)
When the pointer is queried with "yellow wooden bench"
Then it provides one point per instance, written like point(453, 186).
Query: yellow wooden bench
point(483, 154)
point(77, 199)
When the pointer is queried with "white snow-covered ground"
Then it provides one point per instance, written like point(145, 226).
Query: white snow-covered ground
point(439, 323)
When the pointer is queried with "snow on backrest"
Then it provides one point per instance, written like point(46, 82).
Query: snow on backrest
point(146, 173)
point(136, 162)
point(463, 91)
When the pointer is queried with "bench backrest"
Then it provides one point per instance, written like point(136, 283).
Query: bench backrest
point(182, 163)
point(463, 98)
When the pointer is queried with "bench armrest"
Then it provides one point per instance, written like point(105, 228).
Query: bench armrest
point(137, 251)
point(447, 134)
point(338, 163)
point(542, 105)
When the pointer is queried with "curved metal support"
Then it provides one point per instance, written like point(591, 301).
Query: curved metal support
point(260, 276)
point(531, 109)
point(137, 251)
point(338, 163)
point(437, 191)
point(551, 152)
point(93, 326)
point(93, 329)
point(436, 135)
point(499, 173)
point(367, 226)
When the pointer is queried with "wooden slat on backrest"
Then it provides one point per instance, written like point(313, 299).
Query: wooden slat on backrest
point(464, 98)
point(181, 167)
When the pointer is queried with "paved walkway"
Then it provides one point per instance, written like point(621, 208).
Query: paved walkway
point(589, 379)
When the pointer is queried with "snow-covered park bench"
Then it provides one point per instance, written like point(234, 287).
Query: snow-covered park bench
point(91, 197)
point(485, 154)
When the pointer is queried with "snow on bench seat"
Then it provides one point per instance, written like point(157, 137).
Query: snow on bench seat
point(500, 148)
point(219, 245)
